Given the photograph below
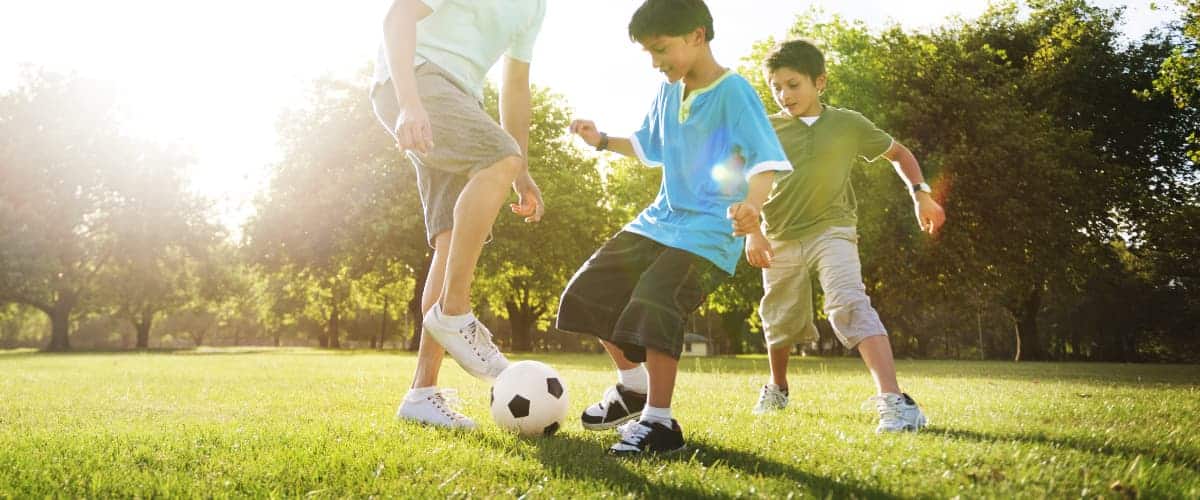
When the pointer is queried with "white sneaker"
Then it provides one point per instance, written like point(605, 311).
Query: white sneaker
point(471, 346)
point(770, 399)
point(437, 410)
point(897, 413)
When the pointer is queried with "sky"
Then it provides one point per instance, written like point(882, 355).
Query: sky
point(215, 76)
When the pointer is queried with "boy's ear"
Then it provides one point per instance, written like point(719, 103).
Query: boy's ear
point(821, 81)
point(698, 36)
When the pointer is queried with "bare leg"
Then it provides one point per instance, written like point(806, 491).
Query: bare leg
point(662, 368)
point(779, 363)
point(474, 214)
point(429, 357)
point(877, 354)
point(618, 356)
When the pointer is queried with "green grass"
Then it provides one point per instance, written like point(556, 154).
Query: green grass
point(310, 423)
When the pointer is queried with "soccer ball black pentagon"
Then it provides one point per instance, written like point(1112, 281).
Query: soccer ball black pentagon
point(529, 398)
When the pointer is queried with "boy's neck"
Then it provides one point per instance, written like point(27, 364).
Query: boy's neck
point(704, 72)
point(812, 111)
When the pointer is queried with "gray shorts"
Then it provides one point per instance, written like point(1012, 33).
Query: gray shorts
point(466, 140)
point(787, 309)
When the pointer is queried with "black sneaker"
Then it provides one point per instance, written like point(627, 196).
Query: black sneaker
point(646, 438)
point(619, 405)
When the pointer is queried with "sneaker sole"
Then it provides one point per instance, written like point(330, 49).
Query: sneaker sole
point(650, 454)
point(603, 426)
point(436, 425)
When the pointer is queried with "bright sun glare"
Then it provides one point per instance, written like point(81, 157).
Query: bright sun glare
point(214, 76)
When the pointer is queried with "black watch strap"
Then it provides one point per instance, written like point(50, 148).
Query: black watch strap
point(603, 145)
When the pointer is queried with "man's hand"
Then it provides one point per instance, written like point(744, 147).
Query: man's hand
point(529, 199)
point(758, 250)
point(413, 131)
point(746, 218)
point(930, 215)
point(586, 130)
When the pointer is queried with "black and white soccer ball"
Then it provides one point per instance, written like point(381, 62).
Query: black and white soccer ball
point(529, 398)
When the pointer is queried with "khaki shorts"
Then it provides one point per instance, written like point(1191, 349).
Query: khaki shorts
point(466, 140)
point(786, 308)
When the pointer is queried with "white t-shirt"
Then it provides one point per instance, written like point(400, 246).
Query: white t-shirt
point(467, 37)
point(810, 120)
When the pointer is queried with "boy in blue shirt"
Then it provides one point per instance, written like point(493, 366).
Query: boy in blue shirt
point(709, 133)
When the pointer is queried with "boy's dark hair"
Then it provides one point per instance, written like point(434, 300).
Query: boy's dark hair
point(670, 18)
point(801, 56)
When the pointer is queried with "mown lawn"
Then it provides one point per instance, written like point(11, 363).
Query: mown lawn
point(319, 424)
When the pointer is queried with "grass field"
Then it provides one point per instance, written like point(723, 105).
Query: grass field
point(319, 424)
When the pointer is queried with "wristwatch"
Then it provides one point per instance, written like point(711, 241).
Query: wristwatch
point(920, 188)
point(603, 145)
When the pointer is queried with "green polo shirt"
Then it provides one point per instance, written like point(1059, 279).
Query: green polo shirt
point(817, 195)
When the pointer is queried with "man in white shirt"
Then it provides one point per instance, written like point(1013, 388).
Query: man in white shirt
point(428, 93)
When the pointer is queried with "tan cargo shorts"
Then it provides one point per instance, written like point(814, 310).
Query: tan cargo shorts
point(466, 140)
point(786, 308)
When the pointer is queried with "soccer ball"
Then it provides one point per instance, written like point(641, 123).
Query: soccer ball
point(530, 399)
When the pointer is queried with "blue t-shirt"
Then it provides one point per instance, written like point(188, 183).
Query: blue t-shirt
point(708, 147)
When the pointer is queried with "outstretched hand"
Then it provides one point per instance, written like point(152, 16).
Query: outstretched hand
point(529, 199)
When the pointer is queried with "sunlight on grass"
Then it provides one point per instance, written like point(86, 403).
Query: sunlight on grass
point(253, 422)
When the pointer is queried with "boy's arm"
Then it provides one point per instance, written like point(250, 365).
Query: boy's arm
point(586, 130)
point(747, 214)
point(747, 217)
point(930, 214)
point(412, 129)
point(516, 102)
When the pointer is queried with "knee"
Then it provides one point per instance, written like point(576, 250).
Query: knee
point(441, 241)
point(507, 169)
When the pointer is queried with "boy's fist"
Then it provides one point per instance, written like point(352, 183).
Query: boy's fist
point(746, 218)
point(586, 130)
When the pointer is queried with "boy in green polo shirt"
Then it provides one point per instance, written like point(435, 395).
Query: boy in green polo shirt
point(810, 227)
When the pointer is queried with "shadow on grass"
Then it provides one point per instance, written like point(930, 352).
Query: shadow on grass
point(1183, 458)
point(1100, 374)
point(572, 457)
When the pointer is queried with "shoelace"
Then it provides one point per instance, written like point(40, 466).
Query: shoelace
point(445, 401)
point(888, 412)
point(484, 347)
point(773, 398)
point(633, 432)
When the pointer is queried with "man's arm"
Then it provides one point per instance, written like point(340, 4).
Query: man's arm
point(516, 102)
point(516, 111)
point(400, 42)
point(930, 214)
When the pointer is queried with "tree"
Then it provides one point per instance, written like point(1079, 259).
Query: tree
point(160, 234)
point(59, 145)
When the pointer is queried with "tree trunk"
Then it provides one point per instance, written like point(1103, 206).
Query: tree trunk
point(383, 327)
point(979, 331)
point(1027, 328)
point(60, 323)
point(522, 318)
point(334, 317)
point(1017, 335)
point(142, 324)
point(60, 327)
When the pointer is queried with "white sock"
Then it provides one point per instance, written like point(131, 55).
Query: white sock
point(660, 415)
point(635, 379)
point(456, 322)
point(419, 393)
